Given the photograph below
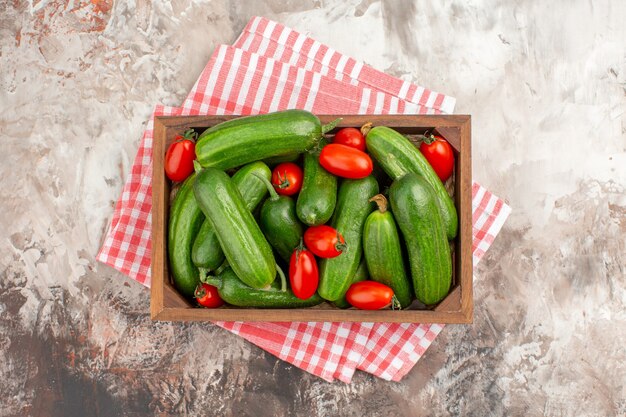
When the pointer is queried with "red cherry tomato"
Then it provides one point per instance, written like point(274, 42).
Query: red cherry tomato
point(207, 296)
point(439, 154)
point(287, 178)
point(351, 137)
point(324, 241)
point(303, 273)
point(180, 155)
point(369, 295)
point(344, 161)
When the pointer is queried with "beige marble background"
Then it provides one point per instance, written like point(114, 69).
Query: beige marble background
point(545, 83)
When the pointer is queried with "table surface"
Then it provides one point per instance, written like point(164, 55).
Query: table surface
point(545, 83)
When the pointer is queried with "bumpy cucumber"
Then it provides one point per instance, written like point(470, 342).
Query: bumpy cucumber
point(415, 208)
point(237, 293)
point(398, 156)
point(279, 223)
point(241, 239)
point(207, 252)
point(352, 209)
point(361, 274)
point(252, 138)
point(318, 196)
point(383, 253)
point(184, 223)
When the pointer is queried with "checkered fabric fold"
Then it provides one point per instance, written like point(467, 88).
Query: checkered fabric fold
point(271, 67)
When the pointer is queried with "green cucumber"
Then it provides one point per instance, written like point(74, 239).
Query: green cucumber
point(235, 292)
point(279, 223)
point(383, 253)
point(243, 243)
point(398, 156)
point(184, 223)
point(245, 139)
point(352, 209)
point(361, 274)
point(206, 251)
point(275, 160)
point(414, 205)
point(318, 196)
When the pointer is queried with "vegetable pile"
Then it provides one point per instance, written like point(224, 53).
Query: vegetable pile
point(360, 218)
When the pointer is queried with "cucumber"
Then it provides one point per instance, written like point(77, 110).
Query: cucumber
point(184, 223)
point(383, 253)
point(235, 292)
point(275, 160)
point(279, 223)
point(352, 209)
point(361, 274)
point(206, 251)
point(414, 204)
point(246, 139)
point(318, 196)
point(243, 243)
point(398, 156)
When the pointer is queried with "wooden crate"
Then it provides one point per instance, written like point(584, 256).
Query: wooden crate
point(457, 307)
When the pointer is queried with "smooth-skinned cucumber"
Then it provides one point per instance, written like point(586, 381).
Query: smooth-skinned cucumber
point(353, 207)
point(235, 292)
point(246, 249)
point(184, 223)
point(318, 196)
point(361, 274)
point(398, 156)
point(383, 253)
point(279, 223)
point(206, 251)
point(245, 139)
point(414, 205)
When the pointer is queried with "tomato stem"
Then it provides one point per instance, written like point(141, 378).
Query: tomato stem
point(330, 126)
point(339, 246)
point(365, 129)
point(284, 182)
point(299, 250)
point(283, 279)
point(270, 187)
point(191, 135)
point(199, 292)
point(428, 137)
point(395, 303)
point(380, 201)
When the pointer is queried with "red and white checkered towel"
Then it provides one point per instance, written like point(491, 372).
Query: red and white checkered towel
point(272, 67)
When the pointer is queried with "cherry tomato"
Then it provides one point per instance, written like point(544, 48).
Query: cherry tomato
point(324, 241)
point(350, 136)
point(439, 154)
point(369, 295)
point(287, 178)
point(303, 273)
point(344, 161)
point(207, 296)
point(180, 155)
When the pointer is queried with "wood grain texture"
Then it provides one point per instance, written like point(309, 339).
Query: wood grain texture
point(457, 307)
